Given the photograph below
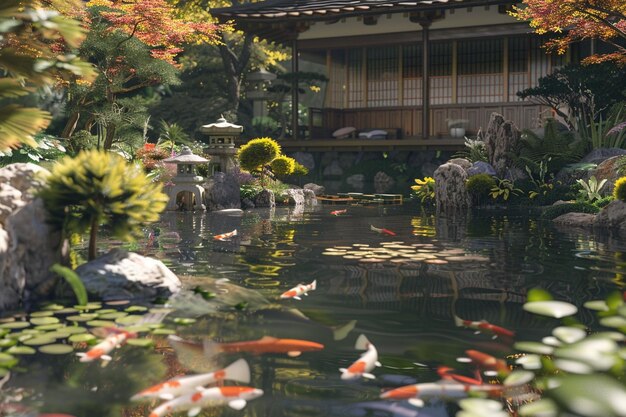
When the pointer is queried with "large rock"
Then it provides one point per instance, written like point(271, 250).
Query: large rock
point(296, 196)
point(310, 197)
point(11, 280)
point(265, 198)
point(600, 155)
point(10, 201)
point(612, 217)
point(25, 177)
point(450, 190)
point(611, 169)
point(356, 181)
point(462, 162)
point(383, 182)
point(317, 189)
point(501, 138)
point(333, 170)
point(222, 192)
point(481, 167)
point(582, 220)
point(121, 275)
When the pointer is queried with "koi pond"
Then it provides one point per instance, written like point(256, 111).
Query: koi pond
point(423, 297)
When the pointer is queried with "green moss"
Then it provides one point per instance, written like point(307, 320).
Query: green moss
point(553, 212)
point(619, 192)
point(479, 186)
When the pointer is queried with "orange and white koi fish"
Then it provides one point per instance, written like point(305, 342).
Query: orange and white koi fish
point(236, 371)
point(193, 402)
point(484, 326)
point(338, 212)
point(267, 344)
point(486, 361)
point(382, 231)
point(225, 236)
point(446, 373)
point(417, 393)
point(365, 364)
point(301, 289)
point(101, 351)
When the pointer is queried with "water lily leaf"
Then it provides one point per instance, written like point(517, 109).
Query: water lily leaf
point(40, 321)
point(15, 325)
point(616, 336)
point(615, 300)
point(518, 377)
point(21, 350)
point(163, 331)
point(599, 354)
point(75, 329)
point(540, 408)
point(614, 321)
point(39, 340)
point(534, 347)
point(4, 372)
point(530, 361)
point(58, 334)
point(138, 328)
point(67, 310)
point(140, 342)
point(107, 311)
point(569, 334)
point(81, 338)
point(83, 317)
point(5, 343)
point(590, 395)
point(42, 314)
point(556, 309)
point(88, 306)
point(538, 294)
point(7, 361)
point(101, 323)
point(184, 321)
point(481, 407)
point(128, 320)
point(551, 341)
point(53, 307)
point(48, 327)
point(56, 349)
point(112, 316)
point(597, 305)
point(135, 309)
point(573, 366)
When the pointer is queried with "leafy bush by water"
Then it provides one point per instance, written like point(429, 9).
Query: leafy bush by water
point(257, 153)
point(479, 186)
point(553, 212)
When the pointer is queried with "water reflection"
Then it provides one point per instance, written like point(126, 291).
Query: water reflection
point(405, 308)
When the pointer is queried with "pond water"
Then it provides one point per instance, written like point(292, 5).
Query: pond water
point(403, 292)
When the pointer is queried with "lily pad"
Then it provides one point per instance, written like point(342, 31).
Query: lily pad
point(5, 343)
point(141, 342)
point(569, 334)
point(107, 311)
point(530, 361)
point(163, 331)
point(48, 327)
point(597, 305)
point(136, 309)
point(185, 321)
point(75, 329)
point(42, 314)
point(67, 310)
point(53, 307)
point(128, 320)
point(58, 334)
point(7, 361)
point(15, 325)
point(534, 347)
point(599, 354)
point(138, 328)
point(101, 323)
point(82, 317)
point(614, 321)
point(543, 408)
point(556, 309)
point(56, 349)
point(83, 337)
point(590, 395)
point(88, 306)
point(39, 340)
point(21, 350)
point(518, 377)
point(112, 316)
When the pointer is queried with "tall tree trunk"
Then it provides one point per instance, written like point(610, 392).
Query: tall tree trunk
point(234, 67)
point(70, 126)
point(110, 135)
point(92, 238)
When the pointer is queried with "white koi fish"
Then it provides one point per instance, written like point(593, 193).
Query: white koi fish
point(365, 364)
point(225, 236)
point(301, 289)
point(236, 371)
point(417, 393)
point(235, 397)
point(101, 351)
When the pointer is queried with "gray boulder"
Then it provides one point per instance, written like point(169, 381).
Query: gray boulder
point(121, 275)
point(333, 170)
point(296, 196)
point(612, 217)
point(501, 138)
point(309, 197)
point(481, 167)
point(12, 281)
point(611, 170)
point(582, 220)
point(600, 155)
point(356, 181)
point(265, 198)
point(462, 162)
point(317, 189)
point(450, 190)
point(383, 182)
point(222, 192)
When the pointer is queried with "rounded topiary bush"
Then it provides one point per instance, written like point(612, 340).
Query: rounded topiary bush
point(283, 165)
point(619, 192)
point(257, 153)
point(300, 169)
point(479, 186)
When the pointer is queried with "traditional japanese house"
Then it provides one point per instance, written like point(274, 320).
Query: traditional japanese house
point(390, 62)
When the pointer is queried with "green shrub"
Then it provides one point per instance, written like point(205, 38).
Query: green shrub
point(99, 187)
point(299, 169)
point(257, 153)
point(479, 186)
point(619, 192)
point(604, 201)
point(283, 165)
point(553, 212)
point(249, 191)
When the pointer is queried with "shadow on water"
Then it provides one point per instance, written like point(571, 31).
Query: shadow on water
point(402, 291)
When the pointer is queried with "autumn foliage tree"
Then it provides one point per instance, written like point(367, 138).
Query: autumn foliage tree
point(134, 45)
point(574, 20)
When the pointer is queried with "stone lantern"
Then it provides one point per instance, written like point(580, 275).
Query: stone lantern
point(221, 147)
point(187, 192)
point(258, 82)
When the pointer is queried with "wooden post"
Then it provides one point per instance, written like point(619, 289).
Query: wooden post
point(294, 89)
point(425, 81)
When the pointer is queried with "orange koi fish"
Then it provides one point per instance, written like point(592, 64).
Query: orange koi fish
point(485, 326)
point(365, 364)
point(486, 361)
point(235, 397)
point(236, 371)
point(417, 393)
point(301, 289)
point(267, 344)
point(101, 351)
point(382, 231)
point(225, 236)
point(446, 373)
point(338, 212)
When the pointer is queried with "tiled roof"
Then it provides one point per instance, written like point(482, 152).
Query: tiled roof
point(320, 8)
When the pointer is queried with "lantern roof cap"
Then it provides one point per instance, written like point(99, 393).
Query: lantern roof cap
point(221, 127)
point(186, 157)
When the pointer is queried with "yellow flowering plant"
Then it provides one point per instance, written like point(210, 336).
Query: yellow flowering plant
point(424, 190)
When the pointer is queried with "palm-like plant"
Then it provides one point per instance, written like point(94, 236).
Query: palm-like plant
point(98, 187)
